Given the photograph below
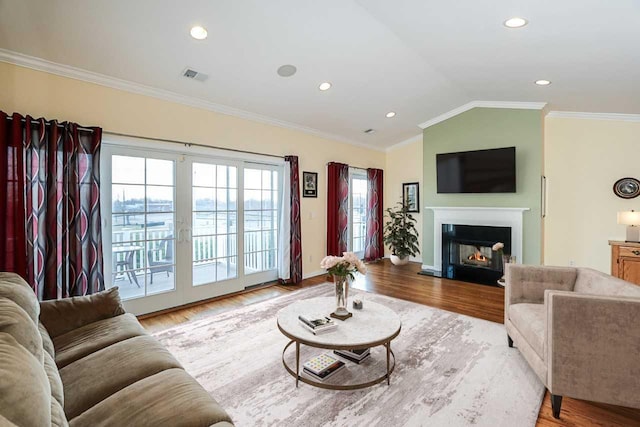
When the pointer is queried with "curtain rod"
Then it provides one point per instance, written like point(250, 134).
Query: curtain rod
point(191, 144)
point(48, 123)
point(351, 166)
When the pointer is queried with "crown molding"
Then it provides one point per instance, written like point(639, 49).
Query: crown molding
point(594, 116)
point(68, 71)
point(407, 141)
point(482, 104)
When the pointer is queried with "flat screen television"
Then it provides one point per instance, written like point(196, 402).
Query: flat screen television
point(481, 171)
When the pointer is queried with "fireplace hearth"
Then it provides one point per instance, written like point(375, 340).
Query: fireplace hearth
point(467, 253)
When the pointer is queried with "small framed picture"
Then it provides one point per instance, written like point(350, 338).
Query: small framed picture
point(411, 196)
point(309, 184)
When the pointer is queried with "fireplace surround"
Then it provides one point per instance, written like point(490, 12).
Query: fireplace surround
point(467, 253)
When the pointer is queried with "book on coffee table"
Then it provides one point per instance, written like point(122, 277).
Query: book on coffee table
point(317, 324)
point(355, 356)
point(322, 367)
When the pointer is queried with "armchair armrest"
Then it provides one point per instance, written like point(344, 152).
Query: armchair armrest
point(593, 344)
point(64, 315)
point(527, 283)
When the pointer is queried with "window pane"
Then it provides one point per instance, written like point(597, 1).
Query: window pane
point(127, 170)
point(252, 179)
point(233, 179)
point(127, 198)
point(252, 199)
point(204, 272)
point(159, 226)
point(266, 180)
point(204, 199)
point(222, 176)
point(204, 223)
point(159, 172)
point(204, 175)
point(221, 199)
point(232, 198)
point(159, 199)
point(131, 283)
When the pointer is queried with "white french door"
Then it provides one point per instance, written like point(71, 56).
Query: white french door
point(180, 228)
point(357, 211)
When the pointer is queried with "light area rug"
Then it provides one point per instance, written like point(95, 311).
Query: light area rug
point(451, 370)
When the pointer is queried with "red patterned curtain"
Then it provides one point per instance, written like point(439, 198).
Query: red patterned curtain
point(54, 212)
point(295, 255)
point(337, 208)
point(373, 245)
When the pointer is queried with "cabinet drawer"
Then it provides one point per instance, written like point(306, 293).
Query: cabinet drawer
point(629, 251)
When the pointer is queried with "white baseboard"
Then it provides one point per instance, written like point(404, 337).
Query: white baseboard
point(314, 274)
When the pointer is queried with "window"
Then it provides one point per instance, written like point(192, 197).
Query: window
point(215, 222)
point(142, 225)
point(260, 219)
point(358, 207)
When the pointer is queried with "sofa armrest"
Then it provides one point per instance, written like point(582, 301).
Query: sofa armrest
point(64, 315)
point(593, 344)
point(527, 283)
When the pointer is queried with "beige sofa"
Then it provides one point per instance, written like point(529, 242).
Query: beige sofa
point(85, 362)
point(579, 329)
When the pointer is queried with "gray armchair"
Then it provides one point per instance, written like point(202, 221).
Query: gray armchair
point(578, 329)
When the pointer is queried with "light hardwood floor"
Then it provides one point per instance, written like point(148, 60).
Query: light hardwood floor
point(479, 301)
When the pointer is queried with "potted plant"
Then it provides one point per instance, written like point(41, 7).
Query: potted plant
point(400, 234)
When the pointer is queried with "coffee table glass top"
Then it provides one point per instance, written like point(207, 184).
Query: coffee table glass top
point(373, 324)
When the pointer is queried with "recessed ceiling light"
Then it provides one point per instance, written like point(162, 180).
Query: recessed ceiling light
point(324, 86)
point(543, 82)
point(287, 70)
point(515, 22)
point(198, 33)
point(390, 114)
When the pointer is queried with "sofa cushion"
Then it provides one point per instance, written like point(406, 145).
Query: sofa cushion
point(55, 383)
point(47, 343)
point(17, 323)
point(168, 398)
point(58, 418)
point(95, 336)
point(97, 376)
point(25, 396)
point(64, 315)
point(597, 283)
point(17, 290)
point(529, 320)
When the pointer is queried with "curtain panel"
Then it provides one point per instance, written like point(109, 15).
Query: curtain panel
point(337, 208)
point(51, 179)
point(290, 263)
point(373, 245)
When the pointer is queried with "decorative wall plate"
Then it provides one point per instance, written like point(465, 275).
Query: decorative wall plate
point(627, 188)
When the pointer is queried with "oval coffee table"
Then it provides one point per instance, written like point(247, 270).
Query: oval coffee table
point(374, 325)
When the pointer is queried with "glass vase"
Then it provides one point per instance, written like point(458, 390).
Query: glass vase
point(506, 259)
point(342, 293)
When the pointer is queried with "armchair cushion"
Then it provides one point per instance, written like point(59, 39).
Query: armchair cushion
point(597, 283)
point(64, 315)
point(529, 319)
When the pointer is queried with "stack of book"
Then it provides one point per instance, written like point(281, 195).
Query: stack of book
point(322, 367)
point(317, 324)
point(355, 356)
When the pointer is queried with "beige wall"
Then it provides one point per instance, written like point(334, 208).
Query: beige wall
point(404, 164)
point(37, 93)
point(583, 159)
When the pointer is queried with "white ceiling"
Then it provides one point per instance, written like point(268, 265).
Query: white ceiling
point(419, 58)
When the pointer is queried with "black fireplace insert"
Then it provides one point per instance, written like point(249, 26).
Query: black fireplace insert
point(467, 253)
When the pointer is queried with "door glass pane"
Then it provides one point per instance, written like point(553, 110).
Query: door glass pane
point(143, 217)
point(260, 220)
point(214, 226)
point(358, 213)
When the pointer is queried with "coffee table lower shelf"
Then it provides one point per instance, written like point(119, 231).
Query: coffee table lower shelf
point(391, 364)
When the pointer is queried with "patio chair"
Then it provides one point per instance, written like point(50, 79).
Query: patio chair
point(164, 261)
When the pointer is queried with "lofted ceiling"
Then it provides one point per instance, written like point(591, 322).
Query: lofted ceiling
point(419, 58)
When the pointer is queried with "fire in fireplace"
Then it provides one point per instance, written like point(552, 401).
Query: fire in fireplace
point(467, 253)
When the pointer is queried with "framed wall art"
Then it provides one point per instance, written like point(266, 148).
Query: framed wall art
point(411, 196)
point(309, 184)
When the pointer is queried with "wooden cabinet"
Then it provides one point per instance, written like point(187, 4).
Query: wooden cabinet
point(625, 261)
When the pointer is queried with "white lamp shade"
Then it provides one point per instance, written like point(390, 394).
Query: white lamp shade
point(629, 218)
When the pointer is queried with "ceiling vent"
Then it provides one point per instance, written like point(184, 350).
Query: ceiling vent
point(368, 131)
point(192, 74)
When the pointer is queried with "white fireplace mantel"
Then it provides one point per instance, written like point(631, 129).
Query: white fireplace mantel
point(488, 216)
